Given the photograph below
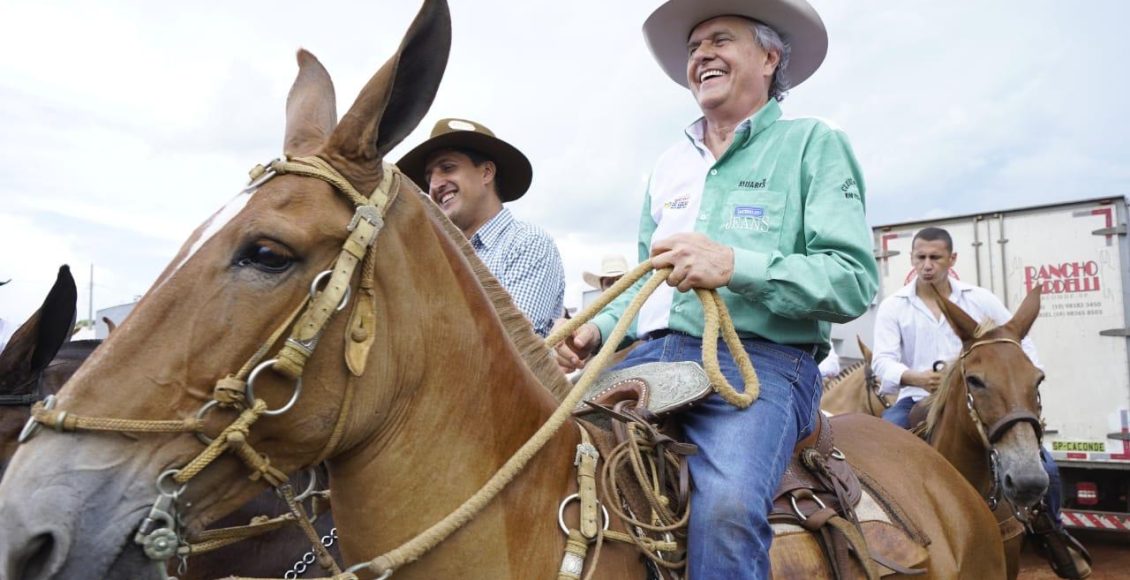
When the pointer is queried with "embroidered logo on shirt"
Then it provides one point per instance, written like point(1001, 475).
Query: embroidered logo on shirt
point(677, 203)
point(748, 217)
point(849, 190)
point(750, 184)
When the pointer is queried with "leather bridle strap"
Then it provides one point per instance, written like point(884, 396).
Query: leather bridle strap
point(1005, 423)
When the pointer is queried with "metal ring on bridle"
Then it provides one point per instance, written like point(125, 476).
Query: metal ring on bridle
point(318, 281)
point(561, 513)
point(32, 425)
point(249, 389)
point(309, 491)
point(200, 417)
point(168, 473)
point(365, 566)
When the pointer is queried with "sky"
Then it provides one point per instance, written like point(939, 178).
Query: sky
point(125, 124)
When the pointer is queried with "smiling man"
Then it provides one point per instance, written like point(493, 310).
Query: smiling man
point(768, 211)
point(470, 173)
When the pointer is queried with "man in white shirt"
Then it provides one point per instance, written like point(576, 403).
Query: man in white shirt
point(912, 335)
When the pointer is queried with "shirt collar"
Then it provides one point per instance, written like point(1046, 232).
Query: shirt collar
point(752, 125)
point(489, 233)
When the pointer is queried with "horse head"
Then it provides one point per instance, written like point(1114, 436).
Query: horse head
point(72, 506)
point(995, 389)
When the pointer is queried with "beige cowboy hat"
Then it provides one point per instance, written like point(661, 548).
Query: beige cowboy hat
point(669, 27)
point(514, 170)
point(611, 266)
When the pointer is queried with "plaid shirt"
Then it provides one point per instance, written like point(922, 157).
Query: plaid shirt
point(525, 260)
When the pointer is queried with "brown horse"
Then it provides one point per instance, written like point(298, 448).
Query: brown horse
point(985, 417)
point(24, 379)
point(450, 381)
point(855, 389)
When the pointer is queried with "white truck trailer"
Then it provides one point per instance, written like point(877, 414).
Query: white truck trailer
point(1079, 254)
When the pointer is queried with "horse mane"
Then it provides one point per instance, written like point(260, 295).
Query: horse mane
point(844, 374)
point(937, 401)
point(530, 346)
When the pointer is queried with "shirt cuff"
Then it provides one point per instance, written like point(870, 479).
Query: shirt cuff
point(605, 323)
point(751, 270)
point(893, 374)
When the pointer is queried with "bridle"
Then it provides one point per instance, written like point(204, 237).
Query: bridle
point(26, 399)
point(872, 384)
point(993, 433)
point(161, 533)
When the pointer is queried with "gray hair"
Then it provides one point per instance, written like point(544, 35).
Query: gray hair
point(770, 41)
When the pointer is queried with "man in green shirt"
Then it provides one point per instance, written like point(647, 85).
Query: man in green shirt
point(769, 212)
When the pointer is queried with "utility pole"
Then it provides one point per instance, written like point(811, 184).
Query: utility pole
point(90, 311)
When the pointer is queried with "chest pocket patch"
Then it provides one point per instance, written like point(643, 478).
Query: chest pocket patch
point(753, 219)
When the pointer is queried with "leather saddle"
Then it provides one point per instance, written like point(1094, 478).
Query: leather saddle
point(817, 497)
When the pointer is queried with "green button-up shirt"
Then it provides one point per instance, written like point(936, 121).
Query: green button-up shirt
point(788, 196)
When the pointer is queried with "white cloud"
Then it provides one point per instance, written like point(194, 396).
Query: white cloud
point(127, 124)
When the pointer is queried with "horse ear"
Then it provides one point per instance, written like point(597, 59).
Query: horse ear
point(1022, 321)
point(398, 96)
point(864, 350)
point(963, 325)
point(111, 326)
point(36, 342)
point(56, 318)
point(311, 109)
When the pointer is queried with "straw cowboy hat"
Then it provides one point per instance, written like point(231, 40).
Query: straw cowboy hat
point(514, 171)
point(611, 266)
point(669, 27)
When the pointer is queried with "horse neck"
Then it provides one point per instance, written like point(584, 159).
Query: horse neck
point(846, 393)
point(464, 399)
point(956, 437)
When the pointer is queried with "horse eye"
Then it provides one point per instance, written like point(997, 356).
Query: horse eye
point(265, 256)
point(974, 382)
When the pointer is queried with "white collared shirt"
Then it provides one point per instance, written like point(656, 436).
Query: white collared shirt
point(677, 199)
point(909, 337)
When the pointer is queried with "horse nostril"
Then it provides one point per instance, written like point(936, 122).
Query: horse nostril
point(38, 556)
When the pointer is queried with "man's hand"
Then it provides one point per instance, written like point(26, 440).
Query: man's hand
point(928, 380)
point(696, 261)
point(577, 347)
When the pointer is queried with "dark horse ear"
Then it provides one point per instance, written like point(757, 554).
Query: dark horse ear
point(398, 96)
point(963, 325)
point(36, 342)
point(311, 108)
point(1022, 321)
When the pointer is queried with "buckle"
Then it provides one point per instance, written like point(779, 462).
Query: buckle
point(369, 213)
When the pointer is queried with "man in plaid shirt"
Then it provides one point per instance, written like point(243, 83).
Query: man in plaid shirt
point(470, 173)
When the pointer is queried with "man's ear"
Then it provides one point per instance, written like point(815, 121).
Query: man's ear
point(490, 172)
point(953, 259)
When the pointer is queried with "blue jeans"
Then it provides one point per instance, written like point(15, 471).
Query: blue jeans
point(742, 452)
point(899, 413)
point(1054, 497)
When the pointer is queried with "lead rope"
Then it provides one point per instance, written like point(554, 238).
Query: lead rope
point(716, 315)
